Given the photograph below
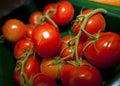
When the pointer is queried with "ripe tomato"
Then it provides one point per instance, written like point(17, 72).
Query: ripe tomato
point(64, 13)
point(34, 18)
point(67, 47)
point(41, 79)
point(16, 75)
point(21, 46)
point(49, 67)
point(80, 76)
point(13, 30)
point(94, 24)
point(105, 51)
point(30, 69)
point(46, 39)
point(29, 29)
point(32, 66)
point(49, 6)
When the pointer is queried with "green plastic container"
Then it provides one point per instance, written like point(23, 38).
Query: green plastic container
point(7, 61)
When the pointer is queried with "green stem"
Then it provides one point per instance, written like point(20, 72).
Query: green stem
point(87, 16)
point(23, 78)
point(47, 16)
point(77, 37)
point(82, 29)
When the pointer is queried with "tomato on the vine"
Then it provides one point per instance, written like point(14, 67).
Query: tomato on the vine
point(63, 14)
point(32, 67)
point(84, 75)
point(21, 47)
point(46, 39)
point(14, 30)
point(51, 67)
point(29, 29)
point(95, 23)
point(67, 47)
point(49, 6)
point(41, 79)
point(34, 18)
point(16, 75)
point(105, 51)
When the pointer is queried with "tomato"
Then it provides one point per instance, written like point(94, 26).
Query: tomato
point(14, 30)
point(49, 67)
point(29, 29)
point(41, 79)
point(94, 24)
point(67, 47)
point(34, 18)
point(49, 6)
point(32, 66)
point(46, 39)
point(105, 51)
point(30, 69)
point(16, 75)
point(84, 75)
point(21, 47)
point(64, 13)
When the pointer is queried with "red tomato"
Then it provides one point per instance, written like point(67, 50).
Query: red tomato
point(94, 24)
point(46, 39)
point(64, 13)
point(41, 79)
point(34, 18)
point(21, 46)
point(32, 67)
point(49, 67)
point(48, 10)
point(67, 47)
point(16, 75)
point(105, 51)
point(13, 30)
point(80, 76)
point(49, 6)
point(29, 29)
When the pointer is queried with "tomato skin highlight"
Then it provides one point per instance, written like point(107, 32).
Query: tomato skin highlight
point(46, 39)
point(105, 52)
point(80, 76)
point(14, 30)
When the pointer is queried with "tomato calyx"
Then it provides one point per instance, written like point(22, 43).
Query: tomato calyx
point(94, 39)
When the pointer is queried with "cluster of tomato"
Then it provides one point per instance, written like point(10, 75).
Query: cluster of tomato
point(43, 57)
